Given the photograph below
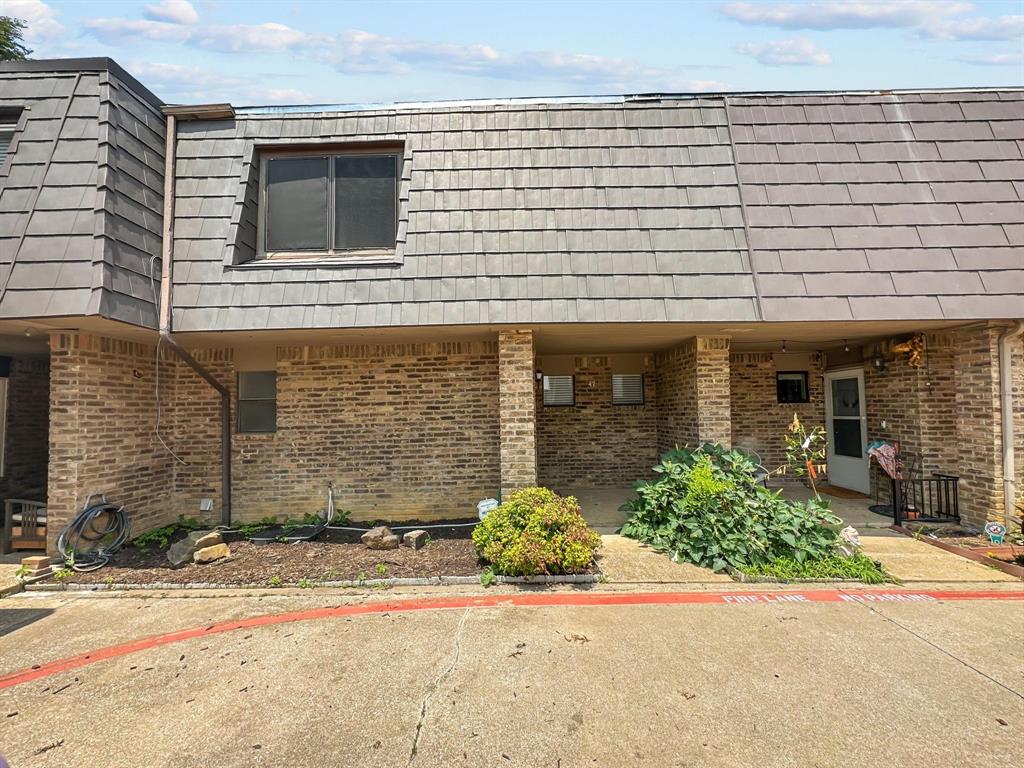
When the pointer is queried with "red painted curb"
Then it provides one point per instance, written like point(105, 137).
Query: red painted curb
point(538, 600)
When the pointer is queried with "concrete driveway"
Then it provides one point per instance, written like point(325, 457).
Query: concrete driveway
point(756, 683)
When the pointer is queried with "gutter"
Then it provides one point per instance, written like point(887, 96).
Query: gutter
point(1006, 408)
point(166, 275)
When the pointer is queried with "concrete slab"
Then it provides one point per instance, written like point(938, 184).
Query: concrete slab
point(8, 580)
point(624, 560)
point(914, 561)
point(601, 505)
point(729, 685)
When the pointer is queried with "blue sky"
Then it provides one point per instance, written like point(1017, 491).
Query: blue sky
point(295, 51)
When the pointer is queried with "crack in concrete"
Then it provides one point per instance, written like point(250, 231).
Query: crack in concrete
point(873, 608)
point(432, 689)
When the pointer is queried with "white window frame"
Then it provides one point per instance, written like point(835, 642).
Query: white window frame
point(11, 127)
point(330, 253)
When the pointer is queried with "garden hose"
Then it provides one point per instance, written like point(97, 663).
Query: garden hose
point(87, 547)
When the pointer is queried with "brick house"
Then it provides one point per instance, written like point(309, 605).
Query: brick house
point(424, 304)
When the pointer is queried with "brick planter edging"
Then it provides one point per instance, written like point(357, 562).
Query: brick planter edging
point(433, 581)
point(970, 554)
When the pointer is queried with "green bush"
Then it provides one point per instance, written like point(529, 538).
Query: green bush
point(707, 508)
point(536, 531)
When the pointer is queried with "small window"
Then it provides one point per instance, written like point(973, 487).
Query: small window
point(791, 386)
point(559, 390)
point(329, 204)
point(627, 389)
point(7, 129)
point(257, 401)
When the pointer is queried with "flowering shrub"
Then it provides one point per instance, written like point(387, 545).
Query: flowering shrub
point(536, 531)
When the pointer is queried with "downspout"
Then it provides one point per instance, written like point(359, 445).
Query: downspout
point(1006, 408)
point(166, 274)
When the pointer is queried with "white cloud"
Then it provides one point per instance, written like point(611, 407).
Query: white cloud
point(231, 38)
point(173, 11)
point(194, 84)
point(40, 19)
point(845, 14)
point(797, 52)
point(1013, 59)
point(1003, 28)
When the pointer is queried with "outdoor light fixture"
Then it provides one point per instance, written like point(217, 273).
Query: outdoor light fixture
point(879, 363)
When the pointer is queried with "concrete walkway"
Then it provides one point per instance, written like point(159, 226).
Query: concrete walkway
point(784, 684)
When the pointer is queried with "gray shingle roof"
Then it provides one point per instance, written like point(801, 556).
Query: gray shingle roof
point(96, 222)
point(858, 206)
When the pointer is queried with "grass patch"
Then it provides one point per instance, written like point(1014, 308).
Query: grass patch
point(859, 567)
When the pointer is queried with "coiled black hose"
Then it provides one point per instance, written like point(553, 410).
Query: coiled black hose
point(84, 545)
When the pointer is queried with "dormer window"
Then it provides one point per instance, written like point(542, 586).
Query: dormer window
point(8, 127)
point(328, 204)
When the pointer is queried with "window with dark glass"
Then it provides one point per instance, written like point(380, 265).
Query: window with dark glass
point(257, 401)
point(559, 390)
point(791, 387)
point(331, 203)
point(627, 389)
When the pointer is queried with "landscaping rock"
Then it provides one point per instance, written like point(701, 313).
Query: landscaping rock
point(209, 554)
point(209, 539)
point(380, 537)
point(181, 551)
point(415, 539)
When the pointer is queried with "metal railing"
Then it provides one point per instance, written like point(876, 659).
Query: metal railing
point(932, 499)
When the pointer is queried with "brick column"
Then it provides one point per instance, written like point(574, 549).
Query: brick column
point(978, 425)
point(714, 401)
point(694, 402)
point(517, 410)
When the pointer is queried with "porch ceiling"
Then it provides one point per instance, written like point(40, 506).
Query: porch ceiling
point(575, 338)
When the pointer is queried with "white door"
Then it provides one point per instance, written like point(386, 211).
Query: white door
point(847, 427)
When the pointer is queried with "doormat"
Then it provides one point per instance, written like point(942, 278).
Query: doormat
point(842, 493)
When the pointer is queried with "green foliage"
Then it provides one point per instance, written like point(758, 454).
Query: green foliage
point(22, 573)
point(63, 575)
point(706, 507)
point(536, 531)
point(12, 46)
point(305, 583)
point(381, 569)
point(274, 581)
point(859, 567)
point(158, 537)
point(488, 577)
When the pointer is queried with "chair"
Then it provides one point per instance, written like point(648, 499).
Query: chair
point(29, 516)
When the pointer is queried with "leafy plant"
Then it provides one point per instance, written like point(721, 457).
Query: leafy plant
point(706, 507)
point(22, 573)
point(804, 451)
point(859, 567)
point(536, 531)
point(488, 577)
point(305, 583)
point(158, 537)
point(63, 575)
point(381, 569)
point(274, 581)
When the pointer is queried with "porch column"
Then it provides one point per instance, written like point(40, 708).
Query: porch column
point(694, 400)
point(516, 409)
point(978, 425)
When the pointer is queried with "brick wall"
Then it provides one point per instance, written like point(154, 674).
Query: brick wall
point(517, 409)
point(403, 431)
point(978, 425)
point(759, 421)
point(595, 443)
point(102, 438)
point(26, 448)
point(693, 393)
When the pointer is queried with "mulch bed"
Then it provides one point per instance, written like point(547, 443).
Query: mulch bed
point(955, 535)
point(333, 556)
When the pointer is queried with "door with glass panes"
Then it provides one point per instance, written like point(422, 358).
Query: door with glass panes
point(847, 427)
